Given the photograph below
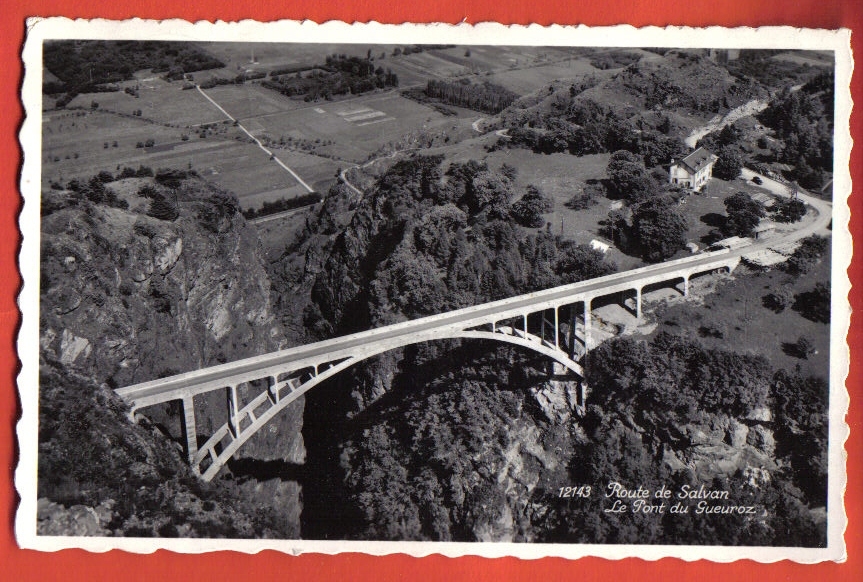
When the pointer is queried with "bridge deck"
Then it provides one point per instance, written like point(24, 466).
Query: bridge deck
point(422, 329)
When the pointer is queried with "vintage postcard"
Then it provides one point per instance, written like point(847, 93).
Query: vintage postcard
point(471, 290)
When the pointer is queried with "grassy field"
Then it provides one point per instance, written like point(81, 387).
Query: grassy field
point(359, 126)
point(527, 80)
point(251, 99)
point(276, 233)
point(222, 159)
point(736, 308)
point(159, 100)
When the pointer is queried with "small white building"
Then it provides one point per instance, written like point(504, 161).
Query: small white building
point(693, 171)
point(600, 246)
point(765, 229)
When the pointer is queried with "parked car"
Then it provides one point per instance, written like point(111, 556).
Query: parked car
point(757, 180)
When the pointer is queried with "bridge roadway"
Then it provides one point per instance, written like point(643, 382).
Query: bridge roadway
point(207, 379)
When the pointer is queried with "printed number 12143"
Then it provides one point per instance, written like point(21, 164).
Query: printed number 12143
point(582, 491)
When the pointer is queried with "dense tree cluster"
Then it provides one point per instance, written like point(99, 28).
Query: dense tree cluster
point(528, 209)
point(486, 97)
point(742, 214)
point(729, 162)
point(267, 208)
point(90, 454)
point(678, 375)
point(583, 127)
point(801, 408)
point(629, 178)
point(424, 470)
point(811, 250)
point(81, 65)
point(341, 75)
point(759, 65)
point(685, 80)
point(614, 59)
point(659, 229)
point(803, 120)
point(815, 304)
point(788, 210)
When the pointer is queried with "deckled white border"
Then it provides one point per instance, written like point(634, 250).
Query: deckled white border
point(463, 34)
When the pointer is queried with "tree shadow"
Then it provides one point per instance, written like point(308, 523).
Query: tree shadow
point(714, 220)
point(266, 470)
point(793, 350)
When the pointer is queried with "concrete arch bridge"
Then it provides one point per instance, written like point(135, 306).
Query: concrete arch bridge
point(555, 323)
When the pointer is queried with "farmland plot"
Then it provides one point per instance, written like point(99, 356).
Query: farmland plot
point(250, 100)
point(358, 126)
point(529, 79)
point(74, 142)
point(158, 100)
point(74, 146)
point(271, 56)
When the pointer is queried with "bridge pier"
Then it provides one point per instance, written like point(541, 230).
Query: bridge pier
point(189, 427)
point(556, 328)
point(638, 303)
point(586, 324)
point(686, 285)
point(233, 408)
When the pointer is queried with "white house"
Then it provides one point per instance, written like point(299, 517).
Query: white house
point(693, 171)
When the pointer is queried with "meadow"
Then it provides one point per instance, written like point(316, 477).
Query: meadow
point(159, 100)
point(736, 317)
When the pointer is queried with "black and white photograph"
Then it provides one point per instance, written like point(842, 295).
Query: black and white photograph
point(416, 286)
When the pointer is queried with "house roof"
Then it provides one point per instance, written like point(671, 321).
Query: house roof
point(697, 160)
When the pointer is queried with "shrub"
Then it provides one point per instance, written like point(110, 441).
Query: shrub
point(162, 208)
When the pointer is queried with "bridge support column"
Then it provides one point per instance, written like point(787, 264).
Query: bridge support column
point(189, 428)
point(233, 425)
point(556, 329)
point(542, 326)
point(273, 390)
point(573, 320)
point(686, 286)
point(638, 303)
point(586, 324)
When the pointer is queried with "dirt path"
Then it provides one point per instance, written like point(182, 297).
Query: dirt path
point(717, 123)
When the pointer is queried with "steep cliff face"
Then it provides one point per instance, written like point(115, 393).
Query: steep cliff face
point(165, 278)
point(127, 297)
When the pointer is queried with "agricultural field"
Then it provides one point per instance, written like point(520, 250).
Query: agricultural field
point(74, 146)
point(357, 127)
point(810, 58)
point(271, 56)
point(250, 100)
point(159, 100)
point(529, 79)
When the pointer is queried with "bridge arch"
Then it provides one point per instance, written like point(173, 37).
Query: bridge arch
point(553, 314)
point(244, 422)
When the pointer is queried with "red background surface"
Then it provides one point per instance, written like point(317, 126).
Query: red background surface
point(16, 564)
